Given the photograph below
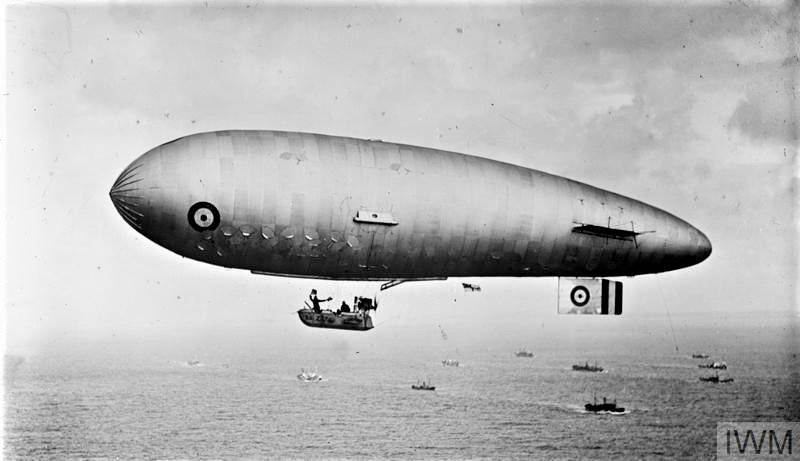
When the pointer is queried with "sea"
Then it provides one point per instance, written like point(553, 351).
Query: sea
point(239, 398)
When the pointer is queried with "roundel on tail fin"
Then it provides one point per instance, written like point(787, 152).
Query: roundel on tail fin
point(580, 296)
point(589, 296)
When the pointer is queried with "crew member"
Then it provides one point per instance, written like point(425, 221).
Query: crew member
point(315, 301)
point(344, 307)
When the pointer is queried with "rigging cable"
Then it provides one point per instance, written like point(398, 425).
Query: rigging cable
point(669, 317)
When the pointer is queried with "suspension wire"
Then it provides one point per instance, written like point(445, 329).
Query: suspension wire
point(669, 317)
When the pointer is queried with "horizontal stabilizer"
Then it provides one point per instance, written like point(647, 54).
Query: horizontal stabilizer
point(607, 232)
point(589, 296)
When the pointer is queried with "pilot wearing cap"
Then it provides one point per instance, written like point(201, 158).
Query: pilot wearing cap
point(315, 300)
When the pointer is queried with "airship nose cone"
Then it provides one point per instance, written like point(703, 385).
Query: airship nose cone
point(703, 247)
point(685, 246)
point(127, 197)
point(696, 248)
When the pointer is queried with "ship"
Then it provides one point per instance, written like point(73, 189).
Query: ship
point(359, 320)
point(700, 356)
point(450, 363)
point(587, 367)
point(423, 386)
point(523, 353)
point(714, 365)
point(610, 407)
point(716, 379)
point(309, 376)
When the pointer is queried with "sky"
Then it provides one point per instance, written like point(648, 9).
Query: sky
point(692, 108)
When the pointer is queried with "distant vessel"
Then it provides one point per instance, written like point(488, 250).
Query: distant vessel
point(587, 367)
point(714, 365)
point(450, 363)
point(716, 379)
point(193, 363)
point(309, 376)
point(610, 407)
point(700, 356)
point(423, 386)
point(523, 353)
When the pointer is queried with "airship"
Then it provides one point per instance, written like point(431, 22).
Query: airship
point(319, 206)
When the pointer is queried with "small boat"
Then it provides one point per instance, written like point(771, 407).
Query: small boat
point(450, 363)
point(359, 320)
point(423, 386)
point(523, 353)
point(309, 376)
point(714, 365)
point(716, 379)
point(700, 356)
point(587, 367)
point(193, 363)
point(610, 407)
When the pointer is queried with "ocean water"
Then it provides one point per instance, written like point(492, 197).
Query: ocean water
point(246, 403)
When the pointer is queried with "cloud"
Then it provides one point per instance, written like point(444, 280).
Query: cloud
point(609, 94)
point(769, 110)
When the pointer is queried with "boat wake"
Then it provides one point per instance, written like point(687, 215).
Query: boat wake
point(581, 409)
point(613, 413)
